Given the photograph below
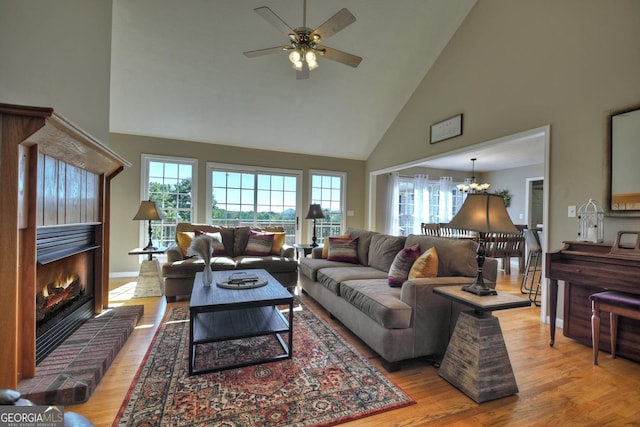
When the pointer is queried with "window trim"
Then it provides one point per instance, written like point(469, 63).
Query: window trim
point(145, 158)
point(231, 167)
point(343, 195)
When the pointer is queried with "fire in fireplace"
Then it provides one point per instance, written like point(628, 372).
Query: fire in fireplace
point(56, 295)
point(64, 285)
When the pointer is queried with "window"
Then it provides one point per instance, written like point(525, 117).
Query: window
point(327, 190)
point(438, 202)
point(259, 197)
point(169, 182)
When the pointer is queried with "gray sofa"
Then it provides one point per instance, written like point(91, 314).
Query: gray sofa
point(399, 323)
point(179, 271)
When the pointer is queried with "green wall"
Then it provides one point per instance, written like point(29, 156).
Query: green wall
point(126, 186)
point(516, 65)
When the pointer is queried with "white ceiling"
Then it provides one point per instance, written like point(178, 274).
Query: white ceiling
point(178, 72)
point(524, 149)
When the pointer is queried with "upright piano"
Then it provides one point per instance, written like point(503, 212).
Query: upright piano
point(587, 268)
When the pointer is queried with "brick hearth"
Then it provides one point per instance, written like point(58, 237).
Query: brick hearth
point(70, 374)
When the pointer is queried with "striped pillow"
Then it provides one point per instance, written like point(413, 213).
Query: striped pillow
point(259, 244)
point(401, 265)
point(343, 249)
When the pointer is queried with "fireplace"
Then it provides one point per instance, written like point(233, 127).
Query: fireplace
point(54, 175)
point(65, 277)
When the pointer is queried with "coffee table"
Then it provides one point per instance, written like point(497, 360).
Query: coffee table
point(221, 314)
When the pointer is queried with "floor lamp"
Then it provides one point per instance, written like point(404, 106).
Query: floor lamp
point(315, 212)
point(484, 213)
point(148, 211)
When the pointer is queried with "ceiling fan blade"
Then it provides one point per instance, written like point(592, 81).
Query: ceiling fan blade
point(304, 73)
point(267, 51)
point(334, 24)
point(339, 56)
point(275, 20)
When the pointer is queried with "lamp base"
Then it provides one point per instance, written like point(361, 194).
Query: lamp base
point(149, 247)
point(480, 290)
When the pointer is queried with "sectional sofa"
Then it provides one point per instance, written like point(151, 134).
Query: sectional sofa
point(398, 322)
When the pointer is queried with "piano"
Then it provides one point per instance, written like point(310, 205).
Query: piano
point(587, 268)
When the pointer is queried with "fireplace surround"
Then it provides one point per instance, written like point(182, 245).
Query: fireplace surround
point(54, 175)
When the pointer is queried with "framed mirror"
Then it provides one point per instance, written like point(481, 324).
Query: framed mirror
point(623, 152)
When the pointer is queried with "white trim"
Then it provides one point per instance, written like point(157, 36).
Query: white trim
point(144, 185)
point(230, 167)
point(544, 131)
point(343, 195)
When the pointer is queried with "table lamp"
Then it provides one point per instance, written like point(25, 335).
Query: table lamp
point(148, 211)
point(483, 213)
point(315, 212)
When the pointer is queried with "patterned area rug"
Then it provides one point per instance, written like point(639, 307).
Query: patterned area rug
point(326, 382)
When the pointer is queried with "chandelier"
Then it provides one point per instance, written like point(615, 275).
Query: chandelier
point(470, 185)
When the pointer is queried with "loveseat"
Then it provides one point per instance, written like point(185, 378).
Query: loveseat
point(399, 322)
point(180, 269)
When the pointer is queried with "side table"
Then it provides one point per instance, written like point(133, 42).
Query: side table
point(149, 252)
point(303, 249)
point(150, 268)
point(476, 360)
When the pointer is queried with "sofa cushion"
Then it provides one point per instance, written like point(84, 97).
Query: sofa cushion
point(426, 265)
point(364, 240)
point(190, 266)
point(343, 249)
point(456, 257)
point(402, 263)
point(217, 247)
point(378, 301)
point(332, 277)
point(227, 233)
point(271, 263)
point(278, 242)
point(240, 240)
point(259, 243)
point(310, 266)
point(183, 239)
point(383, 250)
point(325, 247)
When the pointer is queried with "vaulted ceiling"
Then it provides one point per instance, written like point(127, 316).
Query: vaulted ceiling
point(178, 72)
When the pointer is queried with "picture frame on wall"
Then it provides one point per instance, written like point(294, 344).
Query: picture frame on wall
point(446, 129)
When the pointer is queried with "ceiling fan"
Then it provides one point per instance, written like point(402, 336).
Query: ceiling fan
point(305, 42)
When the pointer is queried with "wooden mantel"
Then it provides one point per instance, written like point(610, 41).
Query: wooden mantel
point(27, 135)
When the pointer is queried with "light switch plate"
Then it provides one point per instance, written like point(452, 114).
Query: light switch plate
point(571, 212)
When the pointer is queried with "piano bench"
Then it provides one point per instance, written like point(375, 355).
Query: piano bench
point(617, 304)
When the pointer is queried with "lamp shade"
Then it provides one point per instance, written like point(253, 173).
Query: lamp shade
point(484, 213)
point(148, 210)
point(315, 212)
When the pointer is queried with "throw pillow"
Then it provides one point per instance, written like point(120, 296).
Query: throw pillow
point(278, 242)
point(259, 244)
point(184, 239)
point(217, 248)
point(426, 265)
point(325, 248)
point(401, 265)
point(343, 249)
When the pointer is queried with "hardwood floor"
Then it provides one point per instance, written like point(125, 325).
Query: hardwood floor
point(559, 386)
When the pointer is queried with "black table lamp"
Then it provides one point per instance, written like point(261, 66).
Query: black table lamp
point(315, 212)
point(148, 211)
point(484, 213)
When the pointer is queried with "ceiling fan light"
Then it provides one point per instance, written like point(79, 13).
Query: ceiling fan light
point(296, 60)
point(310, 57)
